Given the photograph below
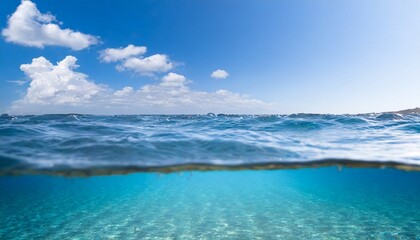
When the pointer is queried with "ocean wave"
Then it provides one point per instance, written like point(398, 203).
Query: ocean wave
point(74, 142)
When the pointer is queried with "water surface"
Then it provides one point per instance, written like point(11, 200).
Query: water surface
point(66, 143)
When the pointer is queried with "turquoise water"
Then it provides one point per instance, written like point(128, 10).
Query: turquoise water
point(320, 203)
point(377, 200)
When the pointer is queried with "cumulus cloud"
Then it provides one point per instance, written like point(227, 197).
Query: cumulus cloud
point(131, 58)
point(173, 80)
point(126, 91)
point(117, 54)
point(219, 74)
point(28, 26)
point(60, 89)
point(147, 66)
point(57, 84)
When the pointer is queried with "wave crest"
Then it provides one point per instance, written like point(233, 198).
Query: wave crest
point(70, 142)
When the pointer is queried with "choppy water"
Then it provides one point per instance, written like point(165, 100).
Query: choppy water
point(309, 203)
point(74, 142)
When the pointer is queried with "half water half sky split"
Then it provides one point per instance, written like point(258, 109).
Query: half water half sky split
point(209, 56)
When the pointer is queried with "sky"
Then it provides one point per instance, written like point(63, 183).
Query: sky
point(222, 56)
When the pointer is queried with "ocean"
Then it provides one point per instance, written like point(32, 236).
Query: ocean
point(299, 176)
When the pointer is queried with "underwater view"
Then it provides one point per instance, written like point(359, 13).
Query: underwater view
point(300, 176)
point(320, 203)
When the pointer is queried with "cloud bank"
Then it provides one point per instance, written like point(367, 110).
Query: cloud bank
point(61, 89)
point(219, 74)
point(29, 27)
point(131, 58)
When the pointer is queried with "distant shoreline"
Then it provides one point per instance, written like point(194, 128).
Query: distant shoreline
point(408, 111)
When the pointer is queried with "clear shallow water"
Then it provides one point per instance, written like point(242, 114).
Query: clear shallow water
point(319, 203)
point(49, 143)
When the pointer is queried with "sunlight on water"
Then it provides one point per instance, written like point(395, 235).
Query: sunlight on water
point(287, 204)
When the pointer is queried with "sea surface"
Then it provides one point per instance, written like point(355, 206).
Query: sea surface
point(299, 176)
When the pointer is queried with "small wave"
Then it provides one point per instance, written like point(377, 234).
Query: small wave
point(389, 116)
point(70, 142)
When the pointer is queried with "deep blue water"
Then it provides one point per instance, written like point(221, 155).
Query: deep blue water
point(307, 203)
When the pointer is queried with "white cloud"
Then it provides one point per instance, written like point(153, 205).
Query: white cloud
point(18, 82)
point(28, 26)
point(131, 58)
point(173, 80)
point(60, 89)
point(147, 66)
point(117, 54)
point(126, 91)
point(57, 84)
point(219, 74)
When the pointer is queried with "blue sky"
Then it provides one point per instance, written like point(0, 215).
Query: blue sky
point(280, 56)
